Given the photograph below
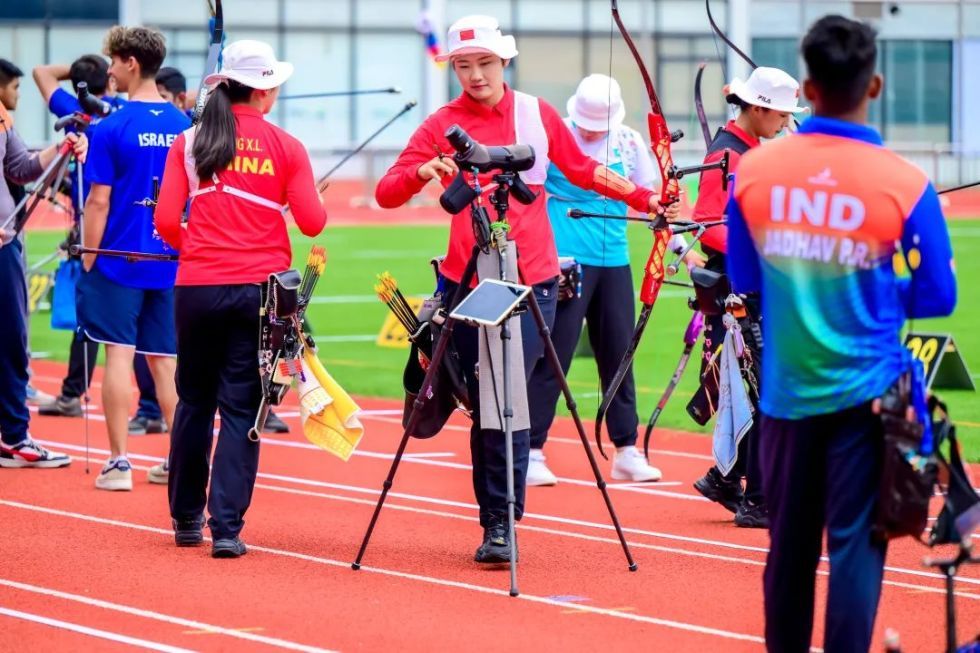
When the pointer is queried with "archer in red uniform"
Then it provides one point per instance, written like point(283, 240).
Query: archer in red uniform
point(492, 113)
point(766, 101)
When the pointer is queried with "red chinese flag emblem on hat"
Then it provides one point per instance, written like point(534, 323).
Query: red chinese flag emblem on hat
point(467, 35)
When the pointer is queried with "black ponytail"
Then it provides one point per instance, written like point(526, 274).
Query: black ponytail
point(214, 143)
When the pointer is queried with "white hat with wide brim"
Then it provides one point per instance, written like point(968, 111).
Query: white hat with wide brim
point(770, 88)
point(252, 64)
point(597, 104)
point(478, 34)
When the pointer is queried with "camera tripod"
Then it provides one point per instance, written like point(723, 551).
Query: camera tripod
point(507, 183)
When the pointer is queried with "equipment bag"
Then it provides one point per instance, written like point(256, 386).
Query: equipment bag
point(908, 476)
point(63, 315)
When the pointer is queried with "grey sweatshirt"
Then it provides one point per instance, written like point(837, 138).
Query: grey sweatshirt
point(16, 164)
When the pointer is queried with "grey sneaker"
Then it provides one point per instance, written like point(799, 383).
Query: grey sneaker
point(159, 474)
point(61, 407)
point(228, 548)
point(140, 425)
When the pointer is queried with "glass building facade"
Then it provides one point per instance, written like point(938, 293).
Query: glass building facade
point(929, 52)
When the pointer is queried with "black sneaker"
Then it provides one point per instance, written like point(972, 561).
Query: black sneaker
point(228, 548)
point(189, 533)
point(274, 424)
point(496, 543)
point(752, 515)
point(61, 407)
point(714, 487)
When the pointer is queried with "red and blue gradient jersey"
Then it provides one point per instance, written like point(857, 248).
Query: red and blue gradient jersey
point(818, 222)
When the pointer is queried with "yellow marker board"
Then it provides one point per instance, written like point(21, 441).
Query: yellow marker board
point(942, 362)
point(39, 284)
point(393, 334)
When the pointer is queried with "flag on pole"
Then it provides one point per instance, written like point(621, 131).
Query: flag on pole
point(424, 25)
point(328, 414)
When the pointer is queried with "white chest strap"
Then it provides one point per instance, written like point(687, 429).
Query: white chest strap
point(194, 182)
point(529, 130)
point(220, 187)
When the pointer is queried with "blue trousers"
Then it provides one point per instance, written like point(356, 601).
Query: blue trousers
point(14, 416)
point(822, 472)
point(217, 350)
point(487, 446)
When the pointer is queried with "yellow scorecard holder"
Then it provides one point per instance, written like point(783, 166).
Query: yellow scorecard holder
point(328, 414)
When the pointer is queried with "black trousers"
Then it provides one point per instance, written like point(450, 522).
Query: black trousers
point(487, 448)
point(217, 370)
point(606, 305)
point(75, 382)
point(819, 472)
point(748, 463)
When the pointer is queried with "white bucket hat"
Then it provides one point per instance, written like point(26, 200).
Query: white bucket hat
point(770, 88)
point(597, 104)
point(478, 34)
point(253, 64)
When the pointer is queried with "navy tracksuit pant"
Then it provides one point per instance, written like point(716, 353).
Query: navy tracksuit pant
point(607, 304)
point(487, 446)
point(818, 472)
point(14, 416)
point(217, 370)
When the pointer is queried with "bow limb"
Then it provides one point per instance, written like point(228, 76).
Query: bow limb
point(728, 42)
point(214, 52)
point(699, 107)
point(653, 272)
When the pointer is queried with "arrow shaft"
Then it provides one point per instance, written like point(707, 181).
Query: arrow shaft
point(328, 94)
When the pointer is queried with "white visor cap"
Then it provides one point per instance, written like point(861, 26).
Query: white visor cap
point(473, 34)
point(252, 64)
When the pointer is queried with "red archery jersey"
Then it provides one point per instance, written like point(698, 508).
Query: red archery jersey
point(712, 199)
point(229, 239)
point(530, 226)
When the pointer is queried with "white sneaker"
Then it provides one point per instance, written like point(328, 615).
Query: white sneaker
point(538, 473)
point(159, 474)
point(631, 465)
point(116, 475)
point(30, 454)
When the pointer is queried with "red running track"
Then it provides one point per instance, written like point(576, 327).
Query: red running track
point(90, 570)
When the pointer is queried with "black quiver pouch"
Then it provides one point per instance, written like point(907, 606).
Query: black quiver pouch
point(448, 390)
point(960, 515)
point(908, 478)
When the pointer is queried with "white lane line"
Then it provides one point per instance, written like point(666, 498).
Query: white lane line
point(639, 488)
point(592, 538)
point(93, 632)
point(527, 515)
point(140, 612)
point(432, 580)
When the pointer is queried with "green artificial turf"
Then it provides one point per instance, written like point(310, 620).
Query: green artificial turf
point(346, 316)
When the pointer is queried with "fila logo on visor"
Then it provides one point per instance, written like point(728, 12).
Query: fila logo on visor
point(765, 99)
point(268, 73)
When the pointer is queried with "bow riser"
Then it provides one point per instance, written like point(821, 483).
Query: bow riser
point(653, 273)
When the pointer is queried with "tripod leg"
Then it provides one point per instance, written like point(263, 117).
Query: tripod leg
point(552, 355)
point(413, 418)
point(86, 398)
point(509, 454)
